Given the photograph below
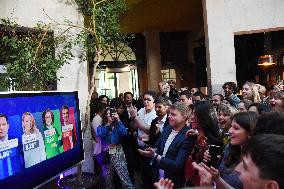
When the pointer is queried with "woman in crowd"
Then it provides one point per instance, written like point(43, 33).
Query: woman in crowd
point(224, 115)
point(111, 132)
point(250, 92)
point(99, 109)
point(255, 107)
point(104, 99)
point(207, 133)
point(34, 150)
point(243, 106)
point(52, 137)
point(277, 101)
point(262, 93)
point(243, 124)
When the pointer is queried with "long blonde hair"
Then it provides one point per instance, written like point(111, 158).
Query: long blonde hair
point(33, 129)
point(255, 93)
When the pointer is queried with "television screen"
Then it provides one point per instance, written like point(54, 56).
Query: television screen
point(40, 136)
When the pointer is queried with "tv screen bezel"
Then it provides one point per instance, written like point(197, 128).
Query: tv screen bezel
point(44, 171)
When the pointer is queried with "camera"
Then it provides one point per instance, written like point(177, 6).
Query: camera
point(214, 151)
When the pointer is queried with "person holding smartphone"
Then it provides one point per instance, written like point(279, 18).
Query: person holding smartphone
point(205, 131)
point(111, 132)
point(241, 130)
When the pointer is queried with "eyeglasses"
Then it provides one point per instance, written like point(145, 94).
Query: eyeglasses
point(147, 99)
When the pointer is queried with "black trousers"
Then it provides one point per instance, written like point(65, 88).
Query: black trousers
point(147, 175)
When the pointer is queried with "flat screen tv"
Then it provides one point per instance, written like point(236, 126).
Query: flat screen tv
point(40, 136)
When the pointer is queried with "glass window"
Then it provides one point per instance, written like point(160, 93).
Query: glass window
point(168, 74)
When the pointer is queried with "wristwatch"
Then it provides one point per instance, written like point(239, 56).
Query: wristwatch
point(155, 155)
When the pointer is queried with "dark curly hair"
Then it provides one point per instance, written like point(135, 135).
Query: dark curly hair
point(231, 85)
point(104, 96)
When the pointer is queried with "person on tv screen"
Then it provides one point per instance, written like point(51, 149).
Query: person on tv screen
point(33, 145)
point(68, 130)
point(52, 138)
point(11, 154)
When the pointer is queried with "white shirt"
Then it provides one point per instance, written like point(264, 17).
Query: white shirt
point(49, 127)
point(96, 122)
point(161, 123)
point(4, 139)
point(167, 144)
point(147, 118)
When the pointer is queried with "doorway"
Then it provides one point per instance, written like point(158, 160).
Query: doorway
point(113, 81)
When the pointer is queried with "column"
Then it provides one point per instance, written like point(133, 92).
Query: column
point(153, 59)
point(219, 40)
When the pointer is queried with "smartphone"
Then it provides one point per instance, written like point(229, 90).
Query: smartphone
point(214, 151)
point(112, 111)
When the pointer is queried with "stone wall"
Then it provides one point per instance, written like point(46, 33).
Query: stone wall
point(225, 18)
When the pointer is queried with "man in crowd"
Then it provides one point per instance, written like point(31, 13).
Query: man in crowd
point(216, 100)
point(168, 89)
point(194, 90)
point(173, 147)
point(185, 97)
point(11, 151)
point(230, 90)
point(173, 94)
point(262, 164)
point(142, 121)
point(160, 122)
point(68, 130)
point(198, 96)
point(128, 99)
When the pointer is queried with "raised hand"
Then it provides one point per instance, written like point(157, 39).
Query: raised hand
point(164, 184)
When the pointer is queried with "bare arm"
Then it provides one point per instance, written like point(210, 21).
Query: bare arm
point(141, 125)
point(138, 122)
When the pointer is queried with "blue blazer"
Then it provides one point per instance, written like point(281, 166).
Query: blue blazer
point(174, 161)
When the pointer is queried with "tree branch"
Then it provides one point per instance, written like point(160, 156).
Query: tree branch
point(70, 25)
point(100, 2)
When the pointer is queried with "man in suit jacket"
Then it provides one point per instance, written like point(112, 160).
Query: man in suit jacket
point(160, 122)
point(173, 147)
point(11, 151)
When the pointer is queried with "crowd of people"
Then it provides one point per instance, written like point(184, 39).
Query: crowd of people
point(183, 138)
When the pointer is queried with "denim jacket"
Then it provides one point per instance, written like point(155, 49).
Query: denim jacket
point(111, 134)
point(233, 100)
